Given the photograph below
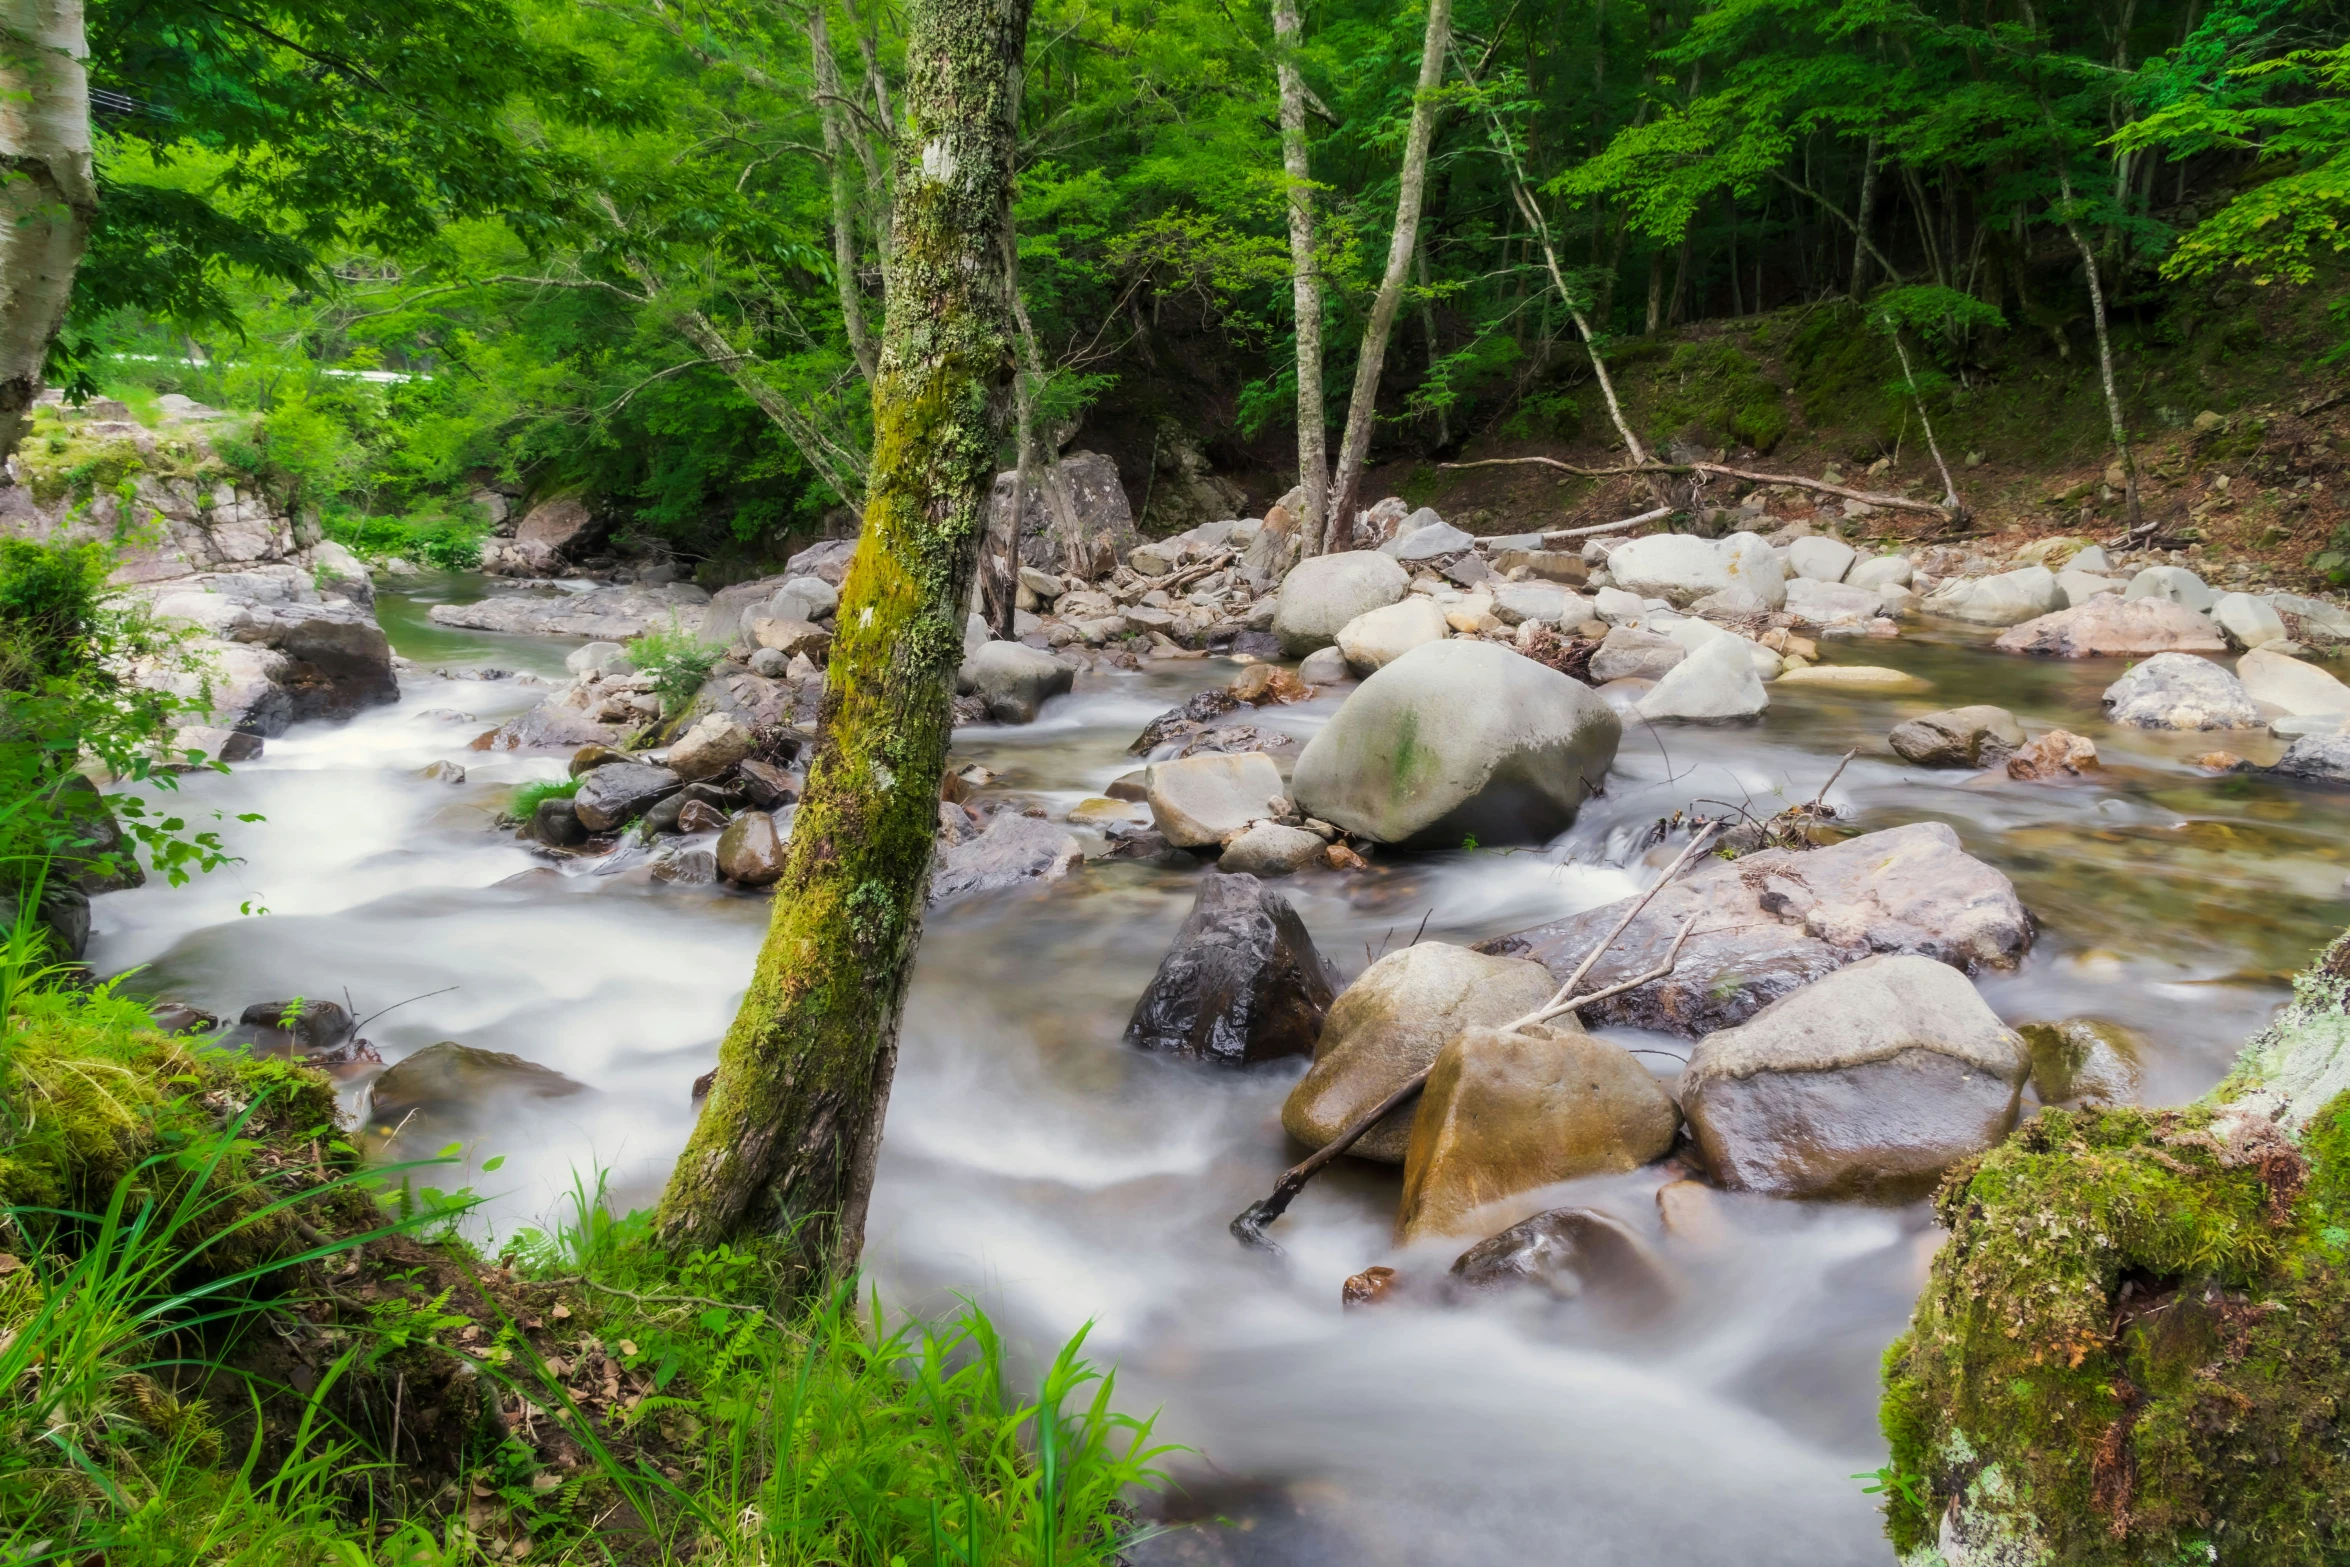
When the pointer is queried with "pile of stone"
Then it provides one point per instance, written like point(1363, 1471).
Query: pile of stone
point(715, 804)
point(278, 621)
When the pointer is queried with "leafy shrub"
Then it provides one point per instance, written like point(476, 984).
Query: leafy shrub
point(678, 661)
point(449, 541)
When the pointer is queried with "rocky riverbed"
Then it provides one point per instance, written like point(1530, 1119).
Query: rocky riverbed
point(1207, 888)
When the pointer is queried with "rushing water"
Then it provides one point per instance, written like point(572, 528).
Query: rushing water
point(1037, 1165)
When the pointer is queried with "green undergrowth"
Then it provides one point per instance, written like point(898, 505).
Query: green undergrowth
point(448, 536)
point(527, 798)
point(225, 1338)
point(2132, 1347)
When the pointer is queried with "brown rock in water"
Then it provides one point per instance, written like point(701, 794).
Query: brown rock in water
point(1242, 982)
point(2109, 626)
point(1569, 1252)
point(1977, 736)
point(1868, 1083)
point(700, 816)
point(1370, 1287)
point(1779, 919)
point(750, 851)
point(1389, 1025)
point(2219, 761)
point(766, 785)
point(1341, 858)
point(453, 1080)
point(1692, 1211)
point(1259, 684)
point(1507, 1113)
point(2057, 754)
point(2083, 1061)
point(590, 757)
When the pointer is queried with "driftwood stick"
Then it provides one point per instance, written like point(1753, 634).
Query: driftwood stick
point(1866, 497)
point(1658, 515)
point(1249, 1225)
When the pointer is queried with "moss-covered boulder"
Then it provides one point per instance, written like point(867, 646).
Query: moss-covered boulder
point(2135, 1346)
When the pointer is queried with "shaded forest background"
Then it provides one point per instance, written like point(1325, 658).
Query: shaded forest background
point(657, 286)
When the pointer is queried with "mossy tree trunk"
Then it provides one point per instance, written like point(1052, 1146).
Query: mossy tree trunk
point(787, 1140)
point(2135, 1345)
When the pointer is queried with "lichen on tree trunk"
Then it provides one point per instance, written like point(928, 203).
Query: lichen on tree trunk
point(48, 191)
point(786, 1143)
point(2135, 1346)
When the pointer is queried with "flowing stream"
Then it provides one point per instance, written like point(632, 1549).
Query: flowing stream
point(1035, 1164)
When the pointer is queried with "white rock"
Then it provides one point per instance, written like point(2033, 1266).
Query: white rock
point(1372, 641)
point(1881, 571)
point(2301, 690)
point(599, 658)
point(2093, 560)
point(1319, 596)
point(1324, 667)
point(2009, 599)
point(1617, 607)
point(1717, 680)
point(1270, 849)
point(2078, 587)
point(1432, 542)
point(2249, 622)
point(1820, 559)
point(1681, 569)
point(2175, 583)
point(803, 598)
point(1199, 800)
point(975, 635)
point(2180, 691)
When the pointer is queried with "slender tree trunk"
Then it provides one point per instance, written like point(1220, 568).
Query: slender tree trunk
point(2113, 397)
point(786, 1144)
point(844, 208)
point(48, 193)
point(1950, 500)
point(1313, 456)
point(1868, 215)
point(1435, 349)
point(1362, 408)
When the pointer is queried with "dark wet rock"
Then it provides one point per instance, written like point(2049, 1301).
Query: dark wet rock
point(615, 795)
point(1389, 1024)
point(65, 913)
point(1771, 922)
point(1135, 842)
point(303, 1024)
point(1241, 983)
point(548, 725)
point(178, 1017)
point(97, 857)
point(1870, 1083)
point(2083, 1060)
point(1454, 740)
point(751, 850)
point(1505, 1113)
point(1012, 849)
point(1370, 1287)
point(700, 816)
point(454, 1081)
point(767, 785)
point(2316, 759)
point(1203, 709)
point(688, 865)
point(1569, 1253)
point(556, 822)
point(337, 659)
point(661, 816)
point(1977, 736)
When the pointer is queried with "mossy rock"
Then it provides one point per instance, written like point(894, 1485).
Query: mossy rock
point(2133, 1347)
point(1716, 394)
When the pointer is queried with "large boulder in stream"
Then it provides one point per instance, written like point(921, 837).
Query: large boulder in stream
point(2008, 599)
point(1201, 800)
point(1389, 1024)
point(1459, 739)
point(1868, 1083)
point(1010, 851)
point(1772, 922)
point(2109, 626)
point(1319, 597)
point(2180, 691)
point(450, 1081)
point(1505, 1113)
point(613, 796)
point(1242, 982)
point(1013, 681)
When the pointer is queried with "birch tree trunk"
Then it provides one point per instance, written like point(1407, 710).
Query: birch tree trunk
point(48, 193)
point(1313, 457)
point(1868, 215)
point(829, 109)
point(1362, 407)
point(786, 1143)
point(2113, 398)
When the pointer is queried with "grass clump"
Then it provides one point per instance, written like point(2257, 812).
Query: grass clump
point(678, 662)
point(527, 798)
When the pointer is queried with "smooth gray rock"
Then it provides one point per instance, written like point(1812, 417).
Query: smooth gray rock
point(1097, 508)
point(2175, 583)
point(1433, 541)
point(2079, 587)
point(1869, 1082)
point(1270, 849)
point(1010, 851)
point(1770, 922)
point(1977, 736)
point(1458, 739)
point(1202, 800)
point(1374, 640)
point(599, 658)
point(1880, 571)
point(608, 614)
point(828, 559)
point(1324, 667)
point(1716, 681)
point(2180, 691)
point(1626, 653)
point(1013, 680)
point(1319, 597)
point(2248, 621)
point(803, 598)
point(2321, 758)
point(1545, 603)
point(1823, 604)
point(2008, 599)
point(1820, 559)
point(1682, 568)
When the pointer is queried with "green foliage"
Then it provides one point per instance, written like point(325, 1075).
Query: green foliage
point(678, 662)
point(1716, 394)
point(526, 799)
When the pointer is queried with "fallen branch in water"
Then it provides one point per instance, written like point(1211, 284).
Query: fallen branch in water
point(1249, 1225)
point(1723, 470)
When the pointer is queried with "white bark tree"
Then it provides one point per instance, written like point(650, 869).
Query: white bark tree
point(1362, 407)
point(1313, 457)
point(48, 190)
